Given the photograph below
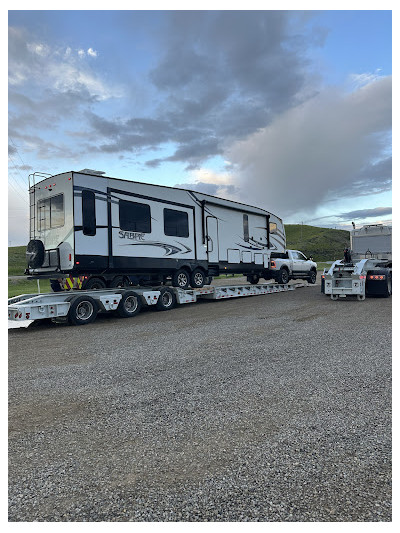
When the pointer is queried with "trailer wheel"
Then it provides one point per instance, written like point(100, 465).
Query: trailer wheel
point(334, 297)
point(312, 278)
point(94, 283)
point(166, 300)
point(197, 278)
point(283, 276)
point(180, 278)
point(129, 305)
point(360, 297)
point(83, 310)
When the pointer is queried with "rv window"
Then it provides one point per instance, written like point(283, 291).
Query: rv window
point(246, 228)
point(88, 213)
point(272, 227)
point(51, 212)
point(176, 223)
point(134, 216)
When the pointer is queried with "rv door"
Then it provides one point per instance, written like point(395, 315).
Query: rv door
point(212, 240)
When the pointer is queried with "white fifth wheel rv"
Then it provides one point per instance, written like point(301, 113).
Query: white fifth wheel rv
point(112, 232)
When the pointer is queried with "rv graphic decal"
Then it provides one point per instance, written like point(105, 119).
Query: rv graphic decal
point(170, 249)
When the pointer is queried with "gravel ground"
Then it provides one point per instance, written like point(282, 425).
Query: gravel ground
point(268, 408)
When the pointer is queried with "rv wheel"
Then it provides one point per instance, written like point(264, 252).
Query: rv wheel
point(253, 279)
point(119, 281)
point(166, 300)
point(180, 279)
point(94, 283)
point(83, 310)
point(129, 305)
point(197, 278)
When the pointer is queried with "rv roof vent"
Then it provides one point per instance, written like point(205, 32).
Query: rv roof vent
point(90, 171)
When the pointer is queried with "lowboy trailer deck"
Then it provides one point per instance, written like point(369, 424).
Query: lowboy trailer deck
point(81, 307)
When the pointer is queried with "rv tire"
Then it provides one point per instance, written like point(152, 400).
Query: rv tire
point(197, 278)
point(253, 279)
point(129, 305)
point(119, 281)
point(94, 283)
point(166, 300)
point(83, 310)
point(180, 278)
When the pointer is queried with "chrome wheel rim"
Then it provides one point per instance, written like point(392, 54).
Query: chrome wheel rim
point(84, 310)
point(198, 278)
point(182, 279)
point(166, 299)
point(130, 304)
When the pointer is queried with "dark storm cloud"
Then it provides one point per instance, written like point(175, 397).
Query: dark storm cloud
point(362, 214)
point(221, 76)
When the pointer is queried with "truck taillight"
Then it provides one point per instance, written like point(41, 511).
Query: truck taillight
point(362, 277)
point(323, 276)
point(376, 277)
point(273, 264)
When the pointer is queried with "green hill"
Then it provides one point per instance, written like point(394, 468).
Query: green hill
point(16, 260)
point(323, 244)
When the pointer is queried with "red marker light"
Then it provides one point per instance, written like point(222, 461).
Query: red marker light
point(77, 262)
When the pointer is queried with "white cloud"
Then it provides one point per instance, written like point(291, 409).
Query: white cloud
point(92, 52)
point(81, 53)
point(38, 48)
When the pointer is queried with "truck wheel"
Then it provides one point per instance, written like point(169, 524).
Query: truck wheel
point(197, 278)
point(83, 310)
point(94, 283)
point(180, 278)
point(129, 305)
point(253, 279)
point(166, 300)
point(312, 278)
point(283, 276)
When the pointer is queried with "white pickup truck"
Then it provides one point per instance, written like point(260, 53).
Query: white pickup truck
point(292, 264)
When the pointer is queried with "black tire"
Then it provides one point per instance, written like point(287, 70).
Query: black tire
point(283, 276)
point(197, 278)
point(181, 279)
point(129, 305)
point(83, 310)
point(312, 278)
point(166, 300)
point(94, 283)
point(35, 253)
point(119, 282)
point(253, 279)
point(55, 285)
point(208, 280)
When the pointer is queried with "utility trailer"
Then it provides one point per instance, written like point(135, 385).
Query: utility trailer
point(81, 307)
point(366, 269)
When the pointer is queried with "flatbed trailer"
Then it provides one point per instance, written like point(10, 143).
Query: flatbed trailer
point(81, 307)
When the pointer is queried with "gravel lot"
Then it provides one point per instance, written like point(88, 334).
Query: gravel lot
point(268, 408)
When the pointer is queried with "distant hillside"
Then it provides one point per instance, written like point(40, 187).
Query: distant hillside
point(16, 260)
point(323, 244)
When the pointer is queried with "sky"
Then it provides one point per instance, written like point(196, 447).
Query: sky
point(286, 110)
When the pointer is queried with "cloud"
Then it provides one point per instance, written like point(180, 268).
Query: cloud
point(210, 182)
point(362, 214)
point(331, 146)
point(92, 52)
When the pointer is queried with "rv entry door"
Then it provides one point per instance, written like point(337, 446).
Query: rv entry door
point(212, 240)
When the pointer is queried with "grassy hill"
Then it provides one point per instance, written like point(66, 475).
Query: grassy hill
point(323, 244)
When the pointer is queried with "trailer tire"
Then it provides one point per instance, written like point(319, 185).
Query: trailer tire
point(197, 278)
point(129, 305)
point(180, 278)
point(94, 283)
point(83, 310)
point(35, 253)
point(208, 280)
point(283, 276)
point(166, 300)
point(312, 278)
